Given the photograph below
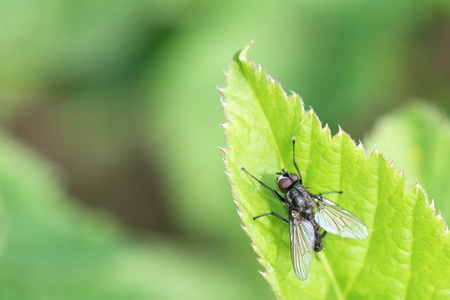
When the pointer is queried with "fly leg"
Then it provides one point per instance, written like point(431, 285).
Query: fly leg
point(276, 194)
point(271, 213)
point(331, 192)
point(317, 256)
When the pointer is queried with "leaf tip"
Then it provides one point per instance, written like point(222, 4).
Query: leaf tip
point(432, 205)
point(341, 133)
point(360, 145)
point(224, 158)
point(375, 152)
point(243, 53)
point(402, 173)
point(313, 113)
point(417, 186)
point(297, 97)
point(242, 225)
point(220, 90)
point(294, 94)
point(438, 215)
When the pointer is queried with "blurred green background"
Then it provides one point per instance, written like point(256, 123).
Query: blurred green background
point(111, 180)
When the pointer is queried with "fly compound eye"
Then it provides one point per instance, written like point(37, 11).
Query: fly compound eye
point(293, 176)
point(284, 183)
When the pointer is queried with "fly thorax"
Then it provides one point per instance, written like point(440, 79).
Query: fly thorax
point(296, 198)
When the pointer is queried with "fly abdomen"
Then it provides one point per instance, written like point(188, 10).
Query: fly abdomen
point(318, 237)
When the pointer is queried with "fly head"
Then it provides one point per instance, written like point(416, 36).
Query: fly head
point(287, 181)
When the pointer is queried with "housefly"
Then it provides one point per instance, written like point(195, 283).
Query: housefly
point(307, 213)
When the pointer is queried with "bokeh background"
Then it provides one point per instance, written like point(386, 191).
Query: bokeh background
point(112, 182)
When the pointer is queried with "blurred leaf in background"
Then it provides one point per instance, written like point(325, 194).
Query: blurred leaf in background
point(56, 249)
point(417, 139)
point(122, 97)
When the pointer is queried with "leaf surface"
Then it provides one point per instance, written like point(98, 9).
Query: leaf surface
point(407, 252)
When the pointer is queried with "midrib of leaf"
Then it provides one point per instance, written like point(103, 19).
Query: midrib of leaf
point(331, 275)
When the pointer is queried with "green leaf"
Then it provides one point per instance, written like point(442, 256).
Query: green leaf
point(56, 249)
point(407, 253)
point(417, 138)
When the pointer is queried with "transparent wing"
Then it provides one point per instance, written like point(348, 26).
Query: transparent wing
point(337, 220)
point(302, 244)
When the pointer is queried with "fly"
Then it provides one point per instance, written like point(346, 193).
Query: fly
point(307, 213)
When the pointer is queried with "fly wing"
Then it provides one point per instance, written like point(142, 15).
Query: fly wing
point(302, 244)
point(336, 220)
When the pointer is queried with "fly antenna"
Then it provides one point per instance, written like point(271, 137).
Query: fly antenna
point(295, 164)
